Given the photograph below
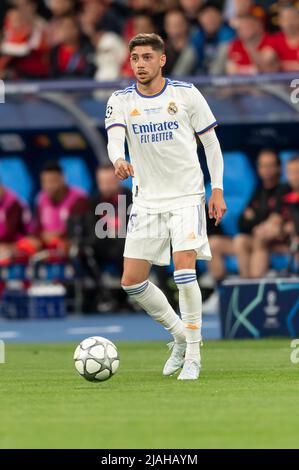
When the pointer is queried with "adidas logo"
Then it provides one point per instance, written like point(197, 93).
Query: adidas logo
point(191, 236)
point(135, 112)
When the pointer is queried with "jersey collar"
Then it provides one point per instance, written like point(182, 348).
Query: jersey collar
point(155, 94)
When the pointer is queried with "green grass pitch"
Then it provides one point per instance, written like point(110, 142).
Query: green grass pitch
point(247, 396)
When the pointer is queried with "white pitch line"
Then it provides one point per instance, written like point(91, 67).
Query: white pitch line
point(94, 329)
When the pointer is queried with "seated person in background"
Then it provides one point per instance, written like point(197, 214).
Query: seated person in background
point(14, 220)
point(109, 248)
point(256, 221)
point(181, 55)
point(73, 56)
point(211, 35)
point(273, 12)
point(191, 9)
point(280, 228)
point(288, 208)
point(283, 50)
point(59, 9)
point(56, 203)
point(141, 22)
point(103, 236)
point(245, 53)
point(235, 8)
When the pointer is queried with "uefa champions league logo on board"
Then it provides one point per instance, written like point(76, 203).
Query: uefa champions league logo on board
point(271, 310)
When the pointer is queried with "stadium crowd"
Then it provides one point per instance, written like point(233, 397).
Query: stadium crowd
point(88, 38)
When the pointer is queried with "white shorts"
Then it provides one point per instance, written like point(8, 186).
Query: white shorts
point(150, 236)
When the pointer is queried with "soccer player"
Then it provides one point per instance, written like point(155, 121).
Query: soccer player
point(160, 119)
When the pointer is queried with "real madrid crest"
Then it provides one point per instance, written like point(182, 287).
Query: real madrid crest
point(172, 108)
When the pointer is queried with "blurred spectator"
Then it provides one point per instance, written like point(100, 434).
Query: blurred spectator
point(73, 57)
point(108, 249)
point(106, 253)
point(105, 14)
point(283, 51)
point(56, 203)
point(141, 23)
point(24, 48)
point(59, 9)
point(110, 54)
point(181, 55)
point(212, 33)
point(244, 55)
point(235, 8)
point(191, 9)
point(273, 12)
point(288, 205)
point(254, 220)
point(14, 221)
point(279, 231)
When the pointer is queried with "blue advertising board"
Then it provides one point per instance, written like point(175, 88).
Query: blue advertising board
point(260, 308)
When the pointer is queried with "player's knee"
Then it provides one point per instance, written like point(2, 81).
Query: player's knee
point(128, 280)
point(185, 260)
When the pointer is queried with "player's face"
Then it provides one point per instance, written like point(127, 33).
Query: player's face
point(52, 183)
point(293, 175)
point(268, 168)
point(146, 63)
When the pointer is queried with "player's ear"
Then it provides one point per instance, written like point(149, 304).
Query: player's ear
point(163, 60)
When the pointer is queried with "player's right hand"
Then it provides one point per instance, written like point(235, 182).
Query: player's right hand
point(123, 169)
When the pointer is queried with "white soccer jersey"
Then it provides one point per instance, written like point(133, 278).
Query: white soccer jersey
point(160, 132)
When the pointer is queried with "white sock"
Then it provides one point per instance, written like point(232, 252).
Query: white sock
point(155, 303)
point(190, 302)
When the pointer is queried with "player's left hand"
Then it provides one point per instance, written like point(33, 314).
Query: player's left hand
point(217, 206)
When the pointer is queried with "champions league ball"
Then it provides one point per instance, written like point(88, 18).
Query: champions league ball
point(96, 358)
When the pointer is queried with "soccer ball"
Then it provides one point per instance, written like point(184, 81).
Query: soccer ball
point(96, 358)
